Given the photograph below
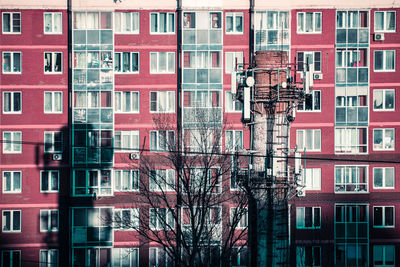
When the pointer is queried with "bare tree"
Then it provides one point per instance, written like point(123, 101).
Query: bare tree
point(186, 205)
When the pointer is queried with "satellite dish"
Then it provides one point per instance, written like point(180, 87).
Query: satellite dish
point(250, 81)
point(284, 84)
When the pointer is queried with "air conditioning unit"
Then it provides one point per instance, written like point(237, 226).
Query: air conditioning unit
point(134, 156)
point(317, 76)
point(57, 156)
point(301, 193)
point(379, 36)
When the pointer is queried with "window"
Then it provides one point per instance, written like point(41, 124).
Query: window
point(162, 62)
point(162, 180)
point(126, 62)
point(383, 139)
point(237, 177)
point(384, 178)
point(12, 62)
point(239, 256)
point(205, 180)
point(271, 29)
point(126, 102)
point(309, 22)
point(12, 142)
point(384, 255)
point(53, 62)
point(162, 141)
point(308, 217)
point(231, 59)
point(159, 257)
point(312, 102)
point(231, 104)
point(11, 258)
point(384, 60)
point(53, 102)
point(126, 180)
point(351, 140)
point(126, 219)
point(48, 220)
point(12, 182)
point(384, 100)
point(125, 257)
point(239, 217)
point(11, 221)
point(126, 22)
point(162, 23)
point(308, 256)
point(52, 23)
point(53, 142)
point(126, 141)
point(309, 140)
point(215, 19)
point(383, 217)
point(313, 58)
point(49, 258)
point(233, 140)
point(311, 178)
point(385, 21)
point(49, 181)
point(234, 23)
point(162, 219)
point(162, 102)
point(189, 20)
point(353, 179)
point(11, 22)
point(12, 102)
point(92, 183)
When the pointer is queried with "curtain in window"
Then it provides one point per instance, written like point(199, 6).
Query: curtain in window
point(390, 21)
point(389, 60)
point(229, 23)
point(17, 62)
point(92, 20)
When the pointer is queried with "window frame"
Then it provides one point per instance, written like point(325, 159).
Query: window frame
point(165, 184)
point(301, 259)
point(133, 174)
point(383, 217)
point(11, 221)
point(131, 71)
point(53, 58)
point(131, 252)
point(159, 224)
point(313, 31)
point(313, 177)
point(313, 53)
point(167, 98)
point(53, 135)
point(48, 262)
point(245, 217)
point(384, 263)
point(12, 62)
point(123, 95)
point(100, 188)
point(158, 136)
point(313, 131)
point(49, 182)
point(13, 150)
point(132, 135)
point(131, 22)
point(384, 130)
point(167, 14)
point(13, 190)
point(236, 56)
point(384, 61)
point(348, 169)
point(12, 96)
point(53, 32)
point(134, 219)
point(234, 109)
point(53, 98)
point(384, 91)
point(384, 21)
point(11, 23)
point(157, 71)
point(235, 147)
point(313, 97)
point(301, 224)
point(51, 227)
point(234, 16)
point(384, 170)
point(11, 257)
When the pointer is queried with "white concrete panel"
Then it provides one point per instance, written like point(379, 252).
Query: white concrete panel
point(201, 4)
point(337, 4)
point(33, 4)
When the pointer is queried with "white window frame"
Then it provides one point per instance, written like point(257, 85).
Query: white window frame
point(159, 105)
point(314, 133)
point(121, 63)
point(53, 65)
point(12, 100)
point(384, 21)
point(120, 107)
point(383, 217)
point(50, 226)
point(313, 97)
point(12, 185)
point(162, 140)
point(134, 137)
point(234, 16)
point(124, 254)
point(13, 146)
point(11, 23)
point(49, 174)
point(311, 179)
point(385, 146)
point(167, 66)
point(346, 177)
point(344, 137)
point(53, 98)
point(235, 57)
point(11, 226)
point(384, 61)
point(384, 92)
point(313, 30)
point(52, 145)
point(169, 217)
point(167, 183)
point(48, 254)
point(133, 179)
point(233, 144)
point(134, 19)
point(126, 224)
point(234, 106)
point(384, 174)
point(53, 21)
point(301, 256)
point(383, 250)
point(11, 263)
point(167, 25)
point(301, 218)
point(12, 62)
point(98, 189)
point(312, 53)
point(243, 222)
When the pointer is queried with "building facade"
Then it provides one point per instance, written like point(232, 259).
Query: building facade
point(83, 84)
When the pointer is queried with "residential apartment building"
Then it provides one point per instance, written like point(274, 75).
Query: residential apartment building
point(84, 84)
